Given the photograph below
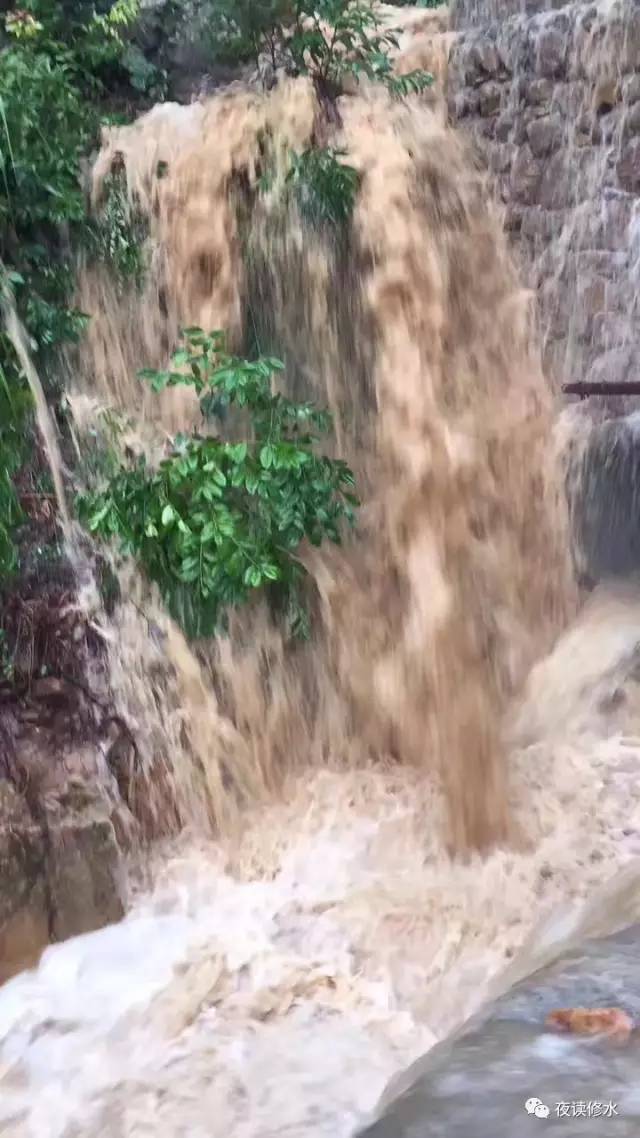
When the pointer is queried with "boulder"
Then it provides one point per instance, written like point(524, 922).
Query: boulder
point(545, 134)
point(526, 174)
point(551, 50)
point(60, 871)
point(84, 870)
point(24, 904)
point(628, 166)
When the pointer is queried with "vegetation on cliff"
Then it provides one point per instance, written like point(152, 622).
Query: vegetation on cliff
point(219, 518)
point(329, 40)
point(67, 68)
point(59, 64)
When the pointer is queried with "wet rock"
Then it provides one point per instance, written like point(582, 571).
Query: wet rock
point(86, 885)
point(60, 871)
point(614, 364)
point(631, 122)
point(504, 126)
point(24, 907)
point(513, 219)
point(479, 1081)
point(526, 175)
point(611, 330)
point(605, 96)
point(606, 504)
point(551, 51)
point(590, 301)
point(490, 98)
point(570, 100)
point(631, 89)
point(467, 63)
point(630, 54)
point(556, 187)
point(465, 104)
point(539, 92)
point(613, 221)
point(542, 224)
point(488, 57)
point(487, 129)
point(500, 159)
point(605, 262)
point(586, 132)
point(628, 166)
point(479, 59)
point(544, 135)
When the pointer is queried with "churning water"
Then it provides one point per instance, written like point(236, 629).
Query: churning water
point(311, 934)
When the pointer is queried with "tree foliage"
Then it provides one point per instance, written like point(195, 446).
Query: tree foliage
point(13, 410)
point(220, 518)
point(326, 39)
point(324, 185)
point(245, 29)
point(332, 39)
point(56, 61)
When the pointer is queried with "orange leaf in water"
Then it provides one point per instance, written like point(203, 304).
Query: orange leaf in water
point(612, 1022)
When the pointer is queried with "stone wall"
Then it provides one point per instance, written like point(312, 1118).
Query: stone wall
point(472, 13)
point(553, 101)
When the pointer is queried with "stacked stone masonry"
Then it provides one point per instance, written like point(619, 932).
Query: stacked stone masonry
point(550, 92)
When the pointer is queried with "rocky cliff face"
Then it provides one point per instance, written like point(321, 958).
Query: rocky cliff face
point(60, 871)
point(551, 94)
point(63, 823)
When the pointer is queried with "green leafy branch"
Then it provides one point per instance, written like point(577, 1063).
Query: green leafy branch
point(219, 519)
point(326, 39)
point(325, 186)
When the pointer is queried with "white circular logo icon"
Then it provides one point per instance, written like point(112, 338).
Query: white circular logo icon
point(536, 1107)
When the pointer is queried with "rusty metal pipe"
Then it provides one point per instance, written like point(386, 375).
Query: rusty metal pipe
point(584, 389)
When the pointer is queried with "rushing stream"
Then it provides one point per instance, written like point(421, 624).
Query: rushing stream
point(309, 934)
point(272, 984)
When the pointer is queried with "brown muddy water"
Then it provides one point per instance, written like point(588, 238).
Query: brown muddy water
point(311, 934)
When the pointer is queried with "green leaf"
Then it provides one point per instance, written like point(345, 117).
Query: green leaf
point(238, 511)
point(266, 456)
point(208, 532)
point(237, 453)
point(99, 516)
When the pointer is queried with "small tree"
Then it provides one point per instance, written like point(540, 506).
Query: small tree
point(324, 186)
point(219, 519)
point(326, 39)
point(335, 38)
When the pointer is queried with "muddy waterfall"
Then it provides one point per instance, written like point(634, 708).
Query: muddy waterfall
point(353, 835)
point(413, 329)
